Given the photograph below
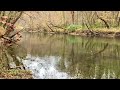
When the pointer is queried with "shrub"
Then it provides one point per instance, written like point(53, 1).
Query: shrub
point(73, 28)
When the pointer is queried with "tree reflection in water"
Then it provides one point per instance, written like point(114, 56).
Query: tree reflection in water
point(11, 57)
point(79, 57)
point(63, 56)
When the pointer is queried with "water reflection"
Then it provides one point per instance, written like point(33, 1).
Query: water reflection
point(11, 57)
point(63, 56)
point(51, 56)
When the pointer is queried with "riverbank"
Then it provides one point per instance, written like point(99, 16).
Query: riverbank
point(97, 33)
point(15, 74)
point(101, 32)
point(9, 70)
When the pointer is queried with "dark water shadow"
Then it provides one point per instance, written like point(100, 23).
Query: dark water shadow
point(11, 57)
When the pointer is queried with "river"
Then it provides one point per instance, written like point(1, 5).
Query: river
point(55, 56)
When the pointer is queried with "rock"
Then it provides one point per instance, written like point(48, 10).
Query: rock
point(12, 65)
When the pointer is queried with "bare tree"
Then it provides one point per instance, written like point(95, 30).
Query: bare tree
point(105, 22)
point(73, 17)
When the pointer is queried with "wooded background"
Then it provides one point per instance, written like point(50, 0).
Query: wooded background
point(34, 19)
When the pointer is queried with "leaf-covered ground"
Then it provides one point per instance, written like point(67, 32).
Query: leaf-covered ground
point(15, 74)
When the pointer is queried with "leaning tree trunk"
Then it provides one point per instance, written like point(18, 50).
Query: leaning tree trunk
point(105, 22)
point(7, 22)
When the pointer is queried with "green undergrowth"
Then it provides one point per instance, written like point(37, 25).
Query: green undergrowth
point(73, 27)
point(96, 27)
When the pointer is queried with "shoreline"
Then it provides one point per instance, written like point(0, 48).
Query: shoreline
point(85, 33)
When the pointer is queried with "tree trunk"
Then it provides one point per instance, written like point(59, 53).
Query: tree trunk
point(105, 22)
point(73, 15)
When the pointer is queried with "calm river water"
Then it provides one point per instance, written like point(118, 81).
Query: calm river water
point(51, 56)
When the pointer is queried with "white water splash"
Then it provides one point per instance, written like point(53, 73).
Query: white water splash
point(44, 67)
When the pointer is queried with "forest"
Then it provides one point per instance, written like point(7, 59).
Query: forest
point(59, 44)
point(92, 23)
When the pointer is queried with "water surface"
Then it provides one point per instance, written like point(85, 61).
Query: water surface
point(62, 56)
point(51, 56)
